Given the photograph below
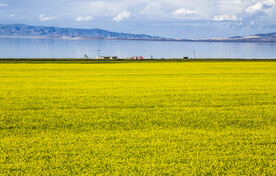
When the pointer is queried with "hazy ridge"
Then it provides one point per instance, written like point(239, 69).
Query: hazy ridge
point(22, 30)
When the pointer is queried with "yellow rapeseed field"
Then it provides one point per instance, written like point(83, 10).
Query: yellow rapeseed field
point(159, 118)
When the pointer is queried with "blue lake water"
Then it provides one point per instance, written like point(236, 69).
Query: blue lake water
point(61, 48)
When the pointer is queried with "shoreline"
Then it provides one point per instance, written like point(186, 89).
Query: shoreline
point(81, 60)
point(226, 40)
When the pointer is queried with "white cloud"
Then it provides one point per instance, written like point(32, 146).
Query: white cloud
point(103, 7)
point(262, 7)
point(11, 15)
point(42, 17)
point(3, 5)
point(183, 12)
point(84, 18)
point(226, 18)
point(151, 9)
point(123, 15)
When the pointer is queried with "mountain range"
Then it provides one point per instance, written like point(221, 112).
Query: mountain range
point(268, 37)
point(22, 30)
point(27, 31)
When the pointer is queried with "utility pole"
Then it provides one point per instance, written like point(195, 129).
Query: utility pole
point(99, 53)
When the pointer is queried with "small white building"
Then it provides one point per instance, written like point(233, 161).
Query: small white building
point(107, 57)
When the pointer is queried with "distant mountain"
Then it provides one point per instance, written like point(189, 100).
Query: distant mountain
point(268, 37)
point(22, 30)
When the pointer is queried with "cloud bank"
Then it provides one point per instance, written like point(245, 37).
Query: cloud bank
point(157, 17)
point(3, 5)
point(43, 17)
point(261, 7)
point(183, 13)
point(84, 18)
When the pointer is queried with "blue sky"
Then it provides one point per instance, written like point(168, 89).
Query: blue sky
point(166, 18)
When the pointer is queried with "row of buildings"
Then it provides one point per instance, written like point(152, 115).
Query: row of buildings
point(115, 57)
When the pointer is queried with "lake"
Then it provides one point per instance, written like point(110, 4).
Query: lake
point(66, 48)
